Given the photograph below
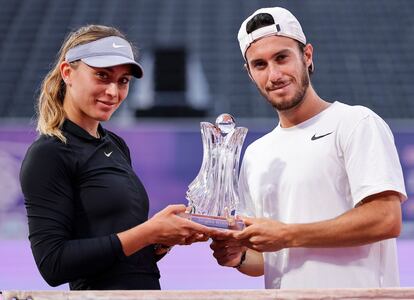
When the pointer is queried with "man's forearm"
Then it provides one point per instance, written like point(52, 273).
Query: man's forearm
point(375, 220)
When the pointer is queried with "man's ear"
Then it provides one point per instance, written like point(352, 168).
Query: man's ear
point(246, 67)
point(308, 55)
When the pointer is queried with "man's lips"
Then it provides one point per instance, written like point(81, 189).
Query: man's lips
point(278, 87)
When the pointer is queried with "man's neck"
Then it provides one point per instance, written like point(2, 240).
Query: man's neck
point(311, 105)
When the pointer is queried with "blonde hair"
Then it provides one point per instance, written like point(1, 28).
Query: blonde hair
point(49, 110)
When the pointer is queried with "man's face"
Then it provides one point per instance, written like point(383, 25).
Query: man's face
point(279, 70)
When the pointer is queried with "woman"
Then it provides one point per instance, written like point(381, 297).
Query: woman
point(87, 209)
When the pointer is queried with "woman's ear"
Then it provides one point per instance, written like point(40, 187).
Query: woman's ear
point(65, 72)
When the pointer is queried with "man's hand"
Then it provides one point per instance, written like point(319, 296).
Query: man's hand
point(263, 235)
point(227, 252)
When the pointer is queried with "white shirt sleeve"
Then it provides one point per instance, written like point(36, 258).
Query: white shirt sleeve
point(371, 159)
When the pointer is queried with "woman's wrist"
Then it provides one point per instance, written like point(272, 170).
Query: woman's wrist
point(160, 249)
point(136, 238)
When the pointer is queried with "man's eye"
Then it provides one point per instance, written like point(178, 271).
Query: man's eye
point(124, 80)
point(281, 57)
point(259, 65)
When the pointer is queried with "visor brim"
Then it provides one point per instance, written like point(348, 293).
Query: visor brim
point(112, 61)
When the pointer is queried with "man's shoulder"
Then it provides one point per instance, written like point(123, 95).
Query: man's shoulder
point(261, 144)
point(348, 116)
point(352, 112)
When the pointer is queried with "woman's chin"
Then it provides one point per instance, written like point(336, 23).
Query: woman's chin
point(103, 117)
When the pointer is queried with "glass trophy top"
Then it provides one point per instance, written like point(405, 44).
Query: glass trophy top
point(225, 123)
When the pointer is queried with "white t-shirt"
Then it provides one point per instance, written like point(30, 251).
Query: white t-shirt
point(316, 171)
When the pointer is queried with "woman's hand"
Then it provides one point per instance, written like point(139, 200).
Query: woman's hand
point(170, 229)
point(165, 228)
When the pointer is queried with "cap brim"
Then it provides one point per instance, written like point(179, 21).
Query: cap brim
point(114, 60)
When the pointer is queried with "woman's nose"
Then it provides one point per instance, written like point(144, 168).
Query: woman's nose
point(112, 89)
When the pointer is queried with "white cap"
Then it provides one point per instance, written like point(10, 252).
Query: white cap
point(106, 52)
point(285, 24)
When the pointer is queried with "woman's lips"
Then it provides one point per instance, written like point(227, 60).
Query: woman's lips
point(107, 103)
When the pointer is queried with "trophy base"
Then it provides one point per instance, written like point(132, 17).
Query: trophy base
point(215, 222)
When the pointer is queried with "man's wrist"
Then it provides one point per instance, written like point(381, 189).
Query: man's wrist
point(242, 259)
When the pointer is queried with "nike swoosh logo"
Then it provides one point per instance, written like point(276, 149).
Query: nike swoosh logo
point(117, 46)
point(319, 136)
point(108, 154)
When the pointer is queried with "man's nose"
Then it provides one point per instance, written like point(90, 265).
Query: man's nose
point(274, 73)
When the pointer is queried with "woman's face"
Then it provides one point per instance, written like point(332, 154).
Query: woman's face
point(94, 94)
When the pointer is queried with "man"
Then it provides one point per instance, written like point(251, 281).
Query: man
point(323, 190)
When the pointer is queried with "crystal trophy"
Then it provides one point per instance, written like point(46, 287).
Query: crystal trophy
point(213, 195)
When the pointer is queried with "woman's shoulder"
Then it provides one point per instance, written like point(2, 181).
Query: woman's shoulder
point(47, 148)
point(48, 144)
point(118, 140)
point(47, 155)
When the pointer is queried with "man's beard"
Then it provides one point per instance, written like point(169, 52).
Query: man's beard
point(297, 97)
